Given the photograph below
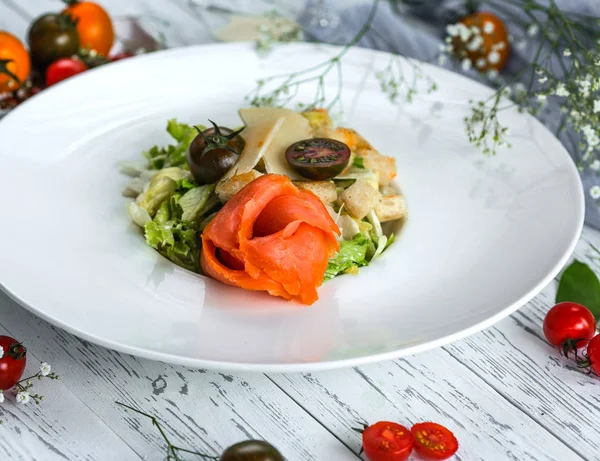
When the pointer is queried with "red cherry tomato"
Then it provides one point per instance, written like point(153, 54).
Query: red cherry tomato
point(569, 321)
point(593, 354)
point(386, 441)
point(12, 363)
point(119, 56)
point(63, 69)
point(434, 441)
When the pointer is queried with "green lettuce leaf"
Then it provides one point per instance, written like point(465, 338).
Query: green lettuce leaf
point(174, 154)
point(194, 202)
point(352, 255)
point(358, 162)
point(177, 241)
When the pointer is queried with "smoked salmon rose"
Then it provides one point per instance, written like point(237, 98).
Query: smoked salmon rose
point(271, 236)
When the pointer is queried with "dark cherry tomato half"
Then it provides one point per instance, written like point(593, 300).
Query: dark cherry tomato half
point(387, 441)
point(64, 68)
point(251, 450)
point(593, 354)
point(213, 152)
point(434, 441)
point(569, 321)
point(318, 158)
point(12, 363)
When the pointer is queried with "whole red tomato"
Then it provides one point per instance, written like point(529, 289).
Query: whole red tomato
point(12, 363)
point(387, 441)
point(593, 355)
point(567, 322)
point(63, 69)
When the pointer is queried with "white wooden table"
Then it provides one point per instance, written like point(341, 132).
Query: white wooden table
point(505, 393)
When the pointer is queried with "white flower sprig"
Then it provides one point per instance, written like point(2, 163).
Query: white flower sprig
point(565, 69)
point(24, 386)
point(277, 30)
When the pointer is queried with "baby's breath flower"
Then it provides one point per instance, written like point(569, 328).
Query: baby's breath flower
point(521, 45)
point(596, 106)
point(475, 43)
point(488, 27)
point(533, 30)
point(466, 64)
point(452, 30)
point(1, 396)
point(595, 165)
point(45, 369)
point(442, 58)
point(541, 97)
point(595, 192)
point(24, 397)
point(493, 57)
point(561, 90)
point(463, 32)
point(492, 74)
point(519, 89)
point(543, 80)
point(481, 63)
point(567, 52)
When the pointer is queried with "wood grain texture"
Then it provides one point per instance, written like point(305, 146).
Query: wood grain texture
point(204, 410)
point(504, 391)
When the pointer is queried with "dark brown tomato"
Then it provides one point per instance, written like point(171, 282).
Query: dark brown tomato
point(51, 37)
point(318, 158)
point(199, 143)
point(252, 450)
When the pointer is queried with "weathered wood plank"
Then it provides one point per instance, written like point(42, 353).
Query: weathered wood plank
point(204, 410)
point(61, 428)
point(429, 387)
point(514, 359)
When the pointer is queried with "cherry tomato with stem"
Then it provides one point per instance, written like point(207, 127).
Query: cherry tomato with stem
point(63, 69)
point(15, 63)
point(569, 325)
point(387, 441)
point(12, 362)
point(94, 25)
point(434, 441)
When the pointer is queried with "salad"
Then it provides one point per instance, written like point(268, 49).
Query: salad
point(280, 204)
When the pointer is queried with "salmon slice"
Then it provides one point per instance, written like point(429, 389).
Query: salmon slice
point(271, 236)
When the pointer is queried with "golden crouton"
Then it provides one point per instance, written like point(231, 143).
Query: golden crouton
point(228, 188)
point(325, 190)
point(320, 122)
point(346, 135)
point(374, 161)
point(391, 207)
point(360, 198)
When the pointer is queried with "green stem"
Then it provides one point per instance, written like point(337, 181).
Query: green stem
point(172, 450)
point(4, 70)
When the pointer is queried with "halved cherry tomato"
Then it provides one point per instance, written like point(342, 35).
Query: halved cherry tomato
point(14, 62)
point(434, 441)
point(569, 321)
point(489, 48)
point(63, 69)
point(12, 362)
point(387, 441)
point(94, 25)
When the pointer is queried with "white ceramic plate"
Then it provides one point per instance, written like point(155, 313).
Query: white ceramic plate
point(484, 235)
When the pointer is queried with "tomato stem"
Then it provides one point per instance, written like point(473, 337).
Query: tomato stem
point(172, 450)
point(4, 70)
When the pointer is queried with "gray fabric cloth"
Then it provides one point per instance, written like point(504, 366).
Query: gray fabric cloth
point(416, 28)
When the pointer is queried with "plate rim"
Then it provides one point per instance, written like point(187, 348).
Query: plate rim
point(219, 365)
